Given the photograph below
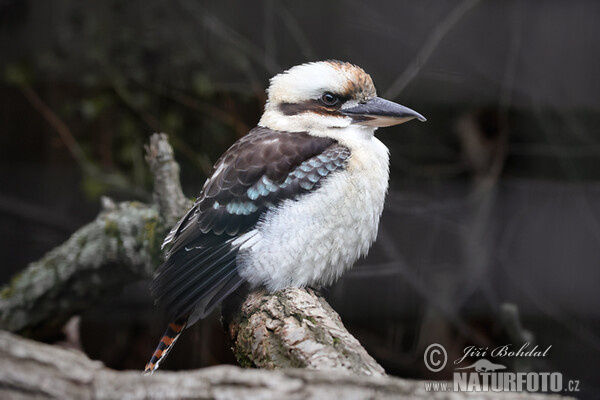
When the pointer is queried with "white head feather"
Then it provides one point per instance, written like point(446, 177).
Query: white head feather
point(308, 82)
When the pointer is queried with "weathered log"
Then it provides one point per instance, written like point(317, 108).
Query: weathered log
point(32, 370)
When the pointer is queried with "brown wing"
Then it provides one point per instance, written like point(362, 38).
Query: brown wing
point(256, 174)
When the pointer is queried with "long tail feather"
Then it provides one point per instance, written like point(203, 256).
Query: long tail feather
point(166, 343)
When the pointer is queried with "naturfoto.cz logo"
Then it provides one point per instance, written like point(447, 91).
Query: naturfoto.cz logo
point(484, 375)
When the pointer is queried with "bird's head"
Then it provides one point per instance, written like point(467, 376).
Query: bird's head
point(325, 97)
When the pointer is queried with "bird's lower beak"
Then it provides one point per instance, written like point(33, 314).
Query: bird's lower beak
point(380, 112)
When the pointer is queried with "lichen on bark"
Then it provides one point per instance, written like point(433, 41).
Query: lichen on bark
point(101, 256)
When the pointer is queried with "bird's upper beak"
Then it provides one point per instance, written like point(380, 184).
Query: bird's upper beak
point(380, 112)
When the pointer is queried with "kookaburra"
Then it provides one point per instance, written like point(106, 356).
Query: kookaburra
point(295, 202)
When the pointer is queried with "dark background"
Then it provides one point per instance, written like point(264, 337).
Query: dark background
point(491, 232)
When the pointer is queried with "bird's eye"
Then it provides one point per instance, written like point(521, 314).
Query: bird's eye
point(329, 99)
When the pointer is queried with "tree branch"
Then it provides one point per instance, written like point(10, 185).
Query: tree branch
point(120, 246)
point(167, 188)
point(31, 370)
point(294, 328)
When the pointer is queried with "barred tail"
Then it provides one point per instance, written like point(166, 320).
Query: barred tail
point(166, 343)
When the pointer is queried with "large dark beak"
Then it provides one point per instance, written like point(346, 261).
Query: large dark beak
point(380, 112)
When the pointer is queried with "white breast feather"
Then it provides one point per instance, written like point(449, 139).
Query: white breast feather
point(312, 241)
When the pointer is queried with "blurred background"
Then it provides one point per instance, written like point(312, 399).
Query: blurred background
point(491, 231)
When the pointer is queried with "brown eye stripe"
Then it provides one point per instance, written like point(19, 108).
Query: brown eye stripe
point(313, 106)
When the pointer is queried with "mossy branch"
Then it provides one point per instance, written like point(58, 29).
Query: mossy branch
point(120, 246)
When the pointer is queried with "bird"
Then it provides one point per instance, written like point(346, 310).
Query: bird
point(293, 203)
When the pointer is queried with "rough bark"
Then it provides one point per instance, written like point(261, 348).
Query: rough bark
point(167, 188)
point(120, 246)
point(32, 370)
point(294, 328)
